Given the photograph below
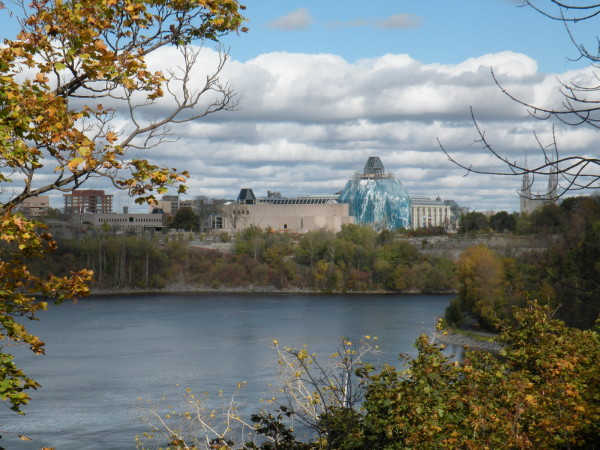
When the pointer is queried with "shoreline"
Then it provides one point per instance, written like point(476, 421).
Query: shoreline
point(472, 343)
point(247, 290)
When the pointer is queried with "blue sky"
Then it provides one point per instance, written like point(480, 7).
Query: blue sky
point(323, 85)
point(434, 31)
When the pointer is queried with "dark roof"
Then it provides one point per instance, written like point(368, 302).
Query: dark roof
point(374, 166)
point(296, 201)
point(246, 196)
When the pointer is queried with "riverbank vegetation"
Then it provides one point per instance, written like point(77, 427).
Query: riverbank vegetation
point(564, 276)
point(357, 259)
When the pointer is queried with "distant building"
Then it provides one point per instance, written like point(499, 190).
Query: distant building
point(138, 222)
point(170, 204)
point(35, 206)
point(296, 215)
point(376, 198)
point(456, 212)
point(91, 201)
point(530, 202)
point(430, 213)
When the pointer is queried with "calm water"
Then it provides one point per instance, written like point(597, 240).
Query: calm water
point(106, 352)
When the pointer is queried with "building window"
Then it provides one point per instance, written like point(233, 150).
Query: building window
point(216, 222)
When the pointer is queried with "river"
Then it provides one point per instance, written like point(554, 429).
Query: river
point(106, 356)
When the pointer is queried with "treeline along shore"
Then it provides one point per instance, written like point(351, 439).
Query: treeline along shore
point(552, 255)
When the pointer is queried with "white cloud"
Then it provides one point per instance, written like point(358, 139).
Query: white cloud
point(296, 20)
point(396, 21)
point(400, 21)
point(308, 122)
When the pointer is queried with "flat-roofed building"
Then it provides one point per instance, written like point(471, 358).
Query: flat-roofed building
point(430, 213)
point(85, 201)
point(133, 221)
point(170, 204)
point(35, 206)
point(296, 215)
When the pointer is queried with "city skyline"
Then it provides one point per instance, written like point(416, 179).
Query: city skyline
point(322, 87)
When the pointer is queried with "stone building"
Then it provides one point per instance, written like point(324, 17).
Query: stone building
point(430, 213)
point(295, 215)
point(529, 202)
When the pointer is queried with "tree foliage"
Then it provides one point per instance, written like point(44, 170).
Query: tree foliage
point(185, 219)
point(565, 276)
point(473, 221)
point(503, 222)
point(261, 259)
point(76, 70)
point(541, 392)
point(482, 281)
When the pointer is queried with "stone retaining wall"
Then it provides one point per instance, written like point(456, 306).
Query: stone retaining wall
point(505, 245)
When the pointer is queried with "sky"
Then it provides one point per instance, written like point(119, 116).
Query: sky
point(323, 85)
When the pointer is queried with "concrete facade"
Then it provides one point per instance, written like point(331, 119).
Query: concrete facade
point(170, 204)
point(35, 206)
point(125, 221)
point(293, 218)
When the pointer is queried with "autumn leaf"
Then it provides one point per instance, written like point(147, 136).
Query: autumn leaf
point(41, 78)
point(100, 45)
point(111, 137)
point(74, 163)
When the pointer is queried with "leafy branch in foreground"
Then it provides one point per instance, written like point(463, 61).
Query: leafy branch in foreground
point(204, 423)
point(78, 101)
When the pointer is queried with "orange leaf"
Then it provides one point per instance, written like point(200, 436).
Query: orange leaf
point(100, 45)
point(111, 137)
point(41, 78)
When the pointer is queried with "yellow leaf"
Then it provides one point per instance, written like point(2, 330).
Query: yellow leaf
point(74, 163)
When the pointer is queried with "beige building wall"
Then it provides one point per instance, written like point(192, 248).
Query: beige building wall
point(35, 206)
point(292, 218)
point(125, 221)
point(164, 205)
point(170, 204)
